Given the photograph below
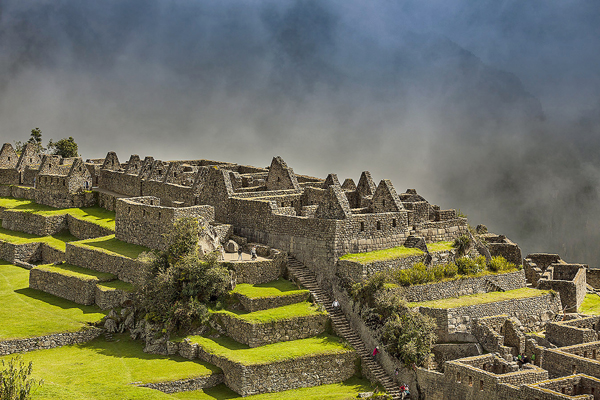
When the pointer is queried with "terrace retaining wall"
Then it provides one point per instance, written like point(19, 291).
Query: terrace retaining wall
point(48, 341)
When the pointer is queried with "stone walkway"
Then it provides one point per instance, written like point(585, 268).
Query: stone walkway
point(246, 257)
point(341, 325)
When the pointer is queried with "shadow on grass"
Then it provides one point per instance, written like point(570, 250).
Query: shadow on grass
point(117, 246)
point(58, 301)
point(99, 213)
point(123, 346)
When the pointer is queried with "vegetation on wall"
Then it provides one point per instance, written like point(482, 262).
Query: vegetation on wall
point(181, 281)
point(65, 147)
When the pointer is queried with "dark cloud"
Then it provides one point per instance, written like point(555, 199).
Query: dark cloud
point(489, 107)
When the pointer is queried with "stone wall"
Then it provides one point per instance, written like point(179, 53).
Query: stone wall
point(357, 271)
point(82, 229)
point(108, 298)
point(300, 372)
point(259, 334)
point(35, 224)
point(259, 271)
point(124, 268)
point(265, 303)
point(570, 360)
point(592, 277)
point(576, 331)
point(187, 385)
point(68, 287)
point(454, 320)
point(143, 221)
point(28, 252)
point(463, 287)
point(48, 341)
point(569, 281)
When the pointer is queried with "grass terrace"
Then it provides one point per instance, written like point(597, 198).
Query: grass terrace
point(96, 215)
point(29, 313)
point(110, 244)
point(78, 272)
point(57, 241)
point(481, 298)
point(590, 305)
point(440, 246)
point(116, 285)
point(237, 352)
point(339, 391)
point(108, 371)
point(280, 287)
point(275, 314)
point(382, 255)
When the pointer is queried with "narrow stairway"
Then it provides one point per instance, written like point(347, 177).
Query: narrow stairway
point(342, 327)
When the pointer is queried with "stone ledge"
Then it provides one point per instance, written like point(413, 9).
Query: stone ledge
point(187, 385)
point(48, 341)
point(252, 304)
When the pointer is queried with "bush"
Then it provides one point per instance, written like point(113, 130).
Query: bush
point(469, 266)
point(180, 281)
point(462, 244)
point(499, 264)
point(409, 337)
point(15, 381)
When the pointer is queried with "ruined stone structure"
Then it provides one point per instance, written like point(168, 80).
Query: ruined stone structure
point(315, 221)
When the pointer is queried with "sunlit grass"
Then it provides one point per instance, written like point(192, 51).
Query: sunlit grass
point(113, 245)
point(280, 287)
point(77, 272)
point(481, 298)
point(57, 241)
point(237, 352)
point(382, 255)
point(275, 314)
point(590, 304)
point(29, 313)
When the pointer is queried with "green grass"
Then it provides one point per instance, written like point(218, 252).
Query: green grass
point(339, 391)
point(382, 255)
point(237, 352)
point(108, 370)
point(96, 215)
point(280, 287)
point(481, 298)
point(78, 272)
point(440, 246)
point(57, 241)
point(275, 314)
point(116, 285)
point(29, 313)
point(113, 245)
point(590, 305)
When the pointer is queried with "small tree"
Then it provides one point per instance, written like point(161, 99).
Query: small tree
point(36, 138)
point(65, 147)
point(409, 337)
point(181, 281)
point(15, 380)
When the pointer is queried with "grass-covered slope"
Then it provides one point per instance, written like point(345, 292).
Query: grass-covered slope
point(27, 313)
point(111, 244)
point(280, 287)
point(237, 352)
point(302, 309)
point(481, 298)
point(57, 241)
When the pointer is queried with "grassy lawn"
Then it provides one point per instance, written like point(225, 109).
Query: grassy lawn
point(440, 246)
point(108, 370)
point(111, 244)
point(116, 284)
point(96, 215)
point(339, 391)
point(57, 241)
point(78, 272)
point(280, 287)
point(275, 314)
point(481, 298)
point(382, 255)
point(237, 352)
point(28, 313)
point(590, 305)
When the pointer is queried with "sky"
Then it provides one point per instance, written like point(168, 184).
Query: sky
point(491, 107)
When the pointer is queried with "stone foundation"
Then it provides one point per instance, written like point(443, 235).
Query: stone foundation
point(48, 341)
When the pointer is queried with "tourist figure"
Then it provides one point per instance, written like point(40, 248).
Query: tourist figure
point(404, 391)
point(375, 352)
point(240, 258)
point(533, 358)
point(335, 304)
point(253, 252)
point(221, 253)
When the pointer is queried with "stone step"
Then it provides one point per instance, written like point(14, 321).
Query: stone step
point(341, 324)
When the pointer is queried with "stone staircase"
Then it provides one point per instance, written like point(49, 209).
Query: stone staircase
point(341, 325)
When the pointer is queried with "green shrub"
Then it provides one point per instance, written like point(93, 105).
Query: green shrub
point(15, 381)
point(462, 244)
point(499, 264)
point(469, 266)
point(409, 337)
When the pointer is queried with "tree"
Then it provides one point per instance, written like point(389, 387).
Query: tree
point(65, 147)
point(36, 138)
point(409, 337)
point(15, 381)
point(181, 282)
